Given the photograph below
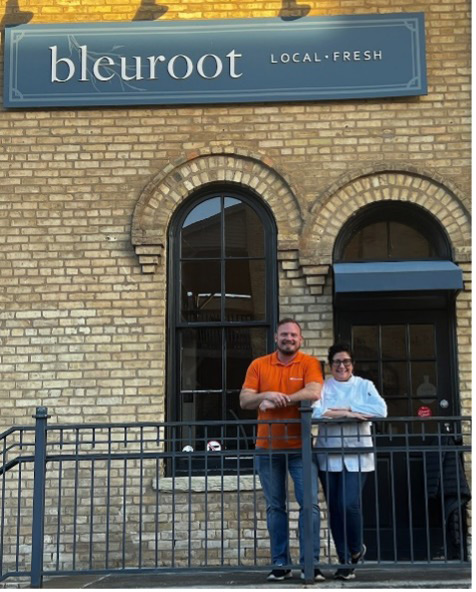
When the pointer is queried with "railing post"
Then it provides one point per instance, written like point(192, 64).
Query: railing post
point(39, 484)
point(308, 534)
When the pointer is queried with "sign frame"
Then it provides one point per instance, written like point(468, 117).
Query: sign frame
point(215, 61)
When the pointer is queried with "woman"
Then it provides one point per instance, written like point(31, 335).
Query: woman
point(343, 475)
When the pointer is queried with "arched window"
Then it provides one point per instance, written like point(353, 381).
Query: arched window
point(222, 310)
point(390, 231)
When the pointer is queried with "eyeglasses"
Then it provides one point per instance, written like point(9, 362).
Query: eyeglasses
point(347, 363)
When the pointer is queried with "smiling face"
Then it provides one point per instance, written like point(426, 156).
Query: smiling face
point(342, 366)
point(288, 339)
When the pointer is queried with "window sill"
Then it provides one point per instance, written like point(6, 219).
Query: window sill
point(209, 484)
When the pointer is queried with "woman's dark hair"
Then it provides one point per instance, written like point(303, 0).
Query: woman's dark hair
point(337, 348)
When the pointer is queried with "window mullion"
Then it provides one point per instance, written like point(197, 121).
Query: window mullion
point(222, 309)
point(222, 260)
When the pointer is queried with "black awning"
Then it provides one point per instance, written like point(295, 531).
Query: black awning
point(397, 276)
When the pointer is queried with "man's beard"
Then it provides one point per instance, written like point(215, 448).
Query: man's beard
point(288, 348)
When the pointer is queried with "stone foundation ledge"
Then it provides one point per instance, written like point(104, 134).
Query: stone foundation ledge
point(214, 484)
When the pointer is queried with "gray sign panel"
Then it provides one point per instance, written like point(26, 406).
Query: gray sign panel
point(226, 61)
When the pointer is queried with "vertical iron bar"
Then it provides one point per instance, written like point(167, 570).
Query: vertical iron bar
point(442, 492)
point(39, 485)
point(108, 493)
point(76, 487)
point(17, 551)
point(2, 517)
point(222, 500)
point(141, 492)
point(344, 496)
point(58, 528)
point(238, 492)
point(255, 497)
point(190, 503)
point(425, 489)
point(124, 502)
point(325, 427)
point(377, 497)
point(91, 516)
point(156, 517)
point(394, 515)
point(308, 534)
point(460, 508)
point(174, 470)
point(409, 491)
point(206, 507)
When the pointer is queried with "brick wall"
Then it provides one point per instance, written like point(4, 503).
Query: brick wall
point(87, 194)
point(82, 325)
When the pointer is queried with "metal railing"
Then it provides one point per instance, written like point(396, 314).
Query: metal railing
point(103, 498)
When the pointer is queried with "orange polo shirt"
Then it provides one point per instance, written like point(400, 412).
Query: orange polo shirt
point(269, 374)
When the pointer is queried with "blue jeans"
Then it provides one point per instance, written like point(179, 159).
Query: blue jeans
point(343, 492)
point(272, 470)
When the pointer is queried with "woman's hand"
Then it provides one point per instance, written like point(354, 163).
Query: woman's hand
point(357, 415)
point(344, 412)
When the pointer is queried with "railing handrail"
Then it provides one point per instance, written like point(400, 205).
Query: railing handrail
point(77, 443)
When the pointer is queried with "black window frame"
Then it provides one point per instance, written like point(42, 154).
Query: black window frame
point(175, 324)
point(410, 214)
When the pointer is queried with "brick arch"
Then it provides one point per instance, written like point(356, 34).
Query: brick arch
point(168, 189)
point(330, 214)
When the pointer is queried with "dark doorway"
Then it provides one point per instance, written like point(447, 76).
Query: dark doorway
point(404, 344)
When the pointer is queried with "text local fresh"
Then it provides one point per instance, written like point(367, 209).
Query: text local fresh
point(335, 56)
point(179, 66)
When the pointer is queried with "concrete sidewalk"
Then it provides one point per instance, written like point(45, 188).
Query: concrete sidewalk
point(366, 578)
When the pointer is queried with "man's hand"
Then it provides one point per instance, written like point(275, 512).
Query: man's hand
point(277, 399)
point(250, 399)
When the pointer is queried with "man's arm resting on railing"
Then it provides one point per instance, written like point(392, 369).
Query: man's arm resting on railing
point(311, 392)
point(251, 399)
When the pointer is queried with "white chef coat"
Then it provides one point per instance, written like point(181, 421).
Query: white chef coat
point(359, 395)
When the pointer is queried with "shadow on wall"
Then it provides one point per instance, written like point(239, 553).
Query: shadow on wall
point(291, 10)
point(14, 15)
point(147, 11)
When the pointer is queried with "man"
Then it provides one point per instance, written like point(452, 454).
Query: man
point(275, 385)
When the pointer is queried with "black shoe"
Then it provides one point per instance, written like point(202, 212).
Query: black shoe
point(344, 573)
point(277, 575)
point(360, 556)
point(318, 575)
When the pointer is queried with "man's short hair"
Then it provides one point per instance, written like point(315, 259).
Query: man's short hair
point(288, 320)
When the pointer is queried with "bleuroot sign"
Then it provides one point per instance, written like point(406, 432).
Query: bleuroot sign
point(225, 61)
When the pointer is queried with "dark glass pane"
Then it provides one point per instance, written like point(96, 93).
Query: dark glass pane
point(424, 380)
point(201, 291)
point(369, 243)
point(397, 408)
point(422, 341)
point(244, 233)
point(240, 436)
point(395, 379)
point(245, 285)
point(393, 342)
point(202, 407)
point(365, 342)
point(407, 243)
point(201, 230)
point(243, 345)
point(200, 360)
point(368, 370)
